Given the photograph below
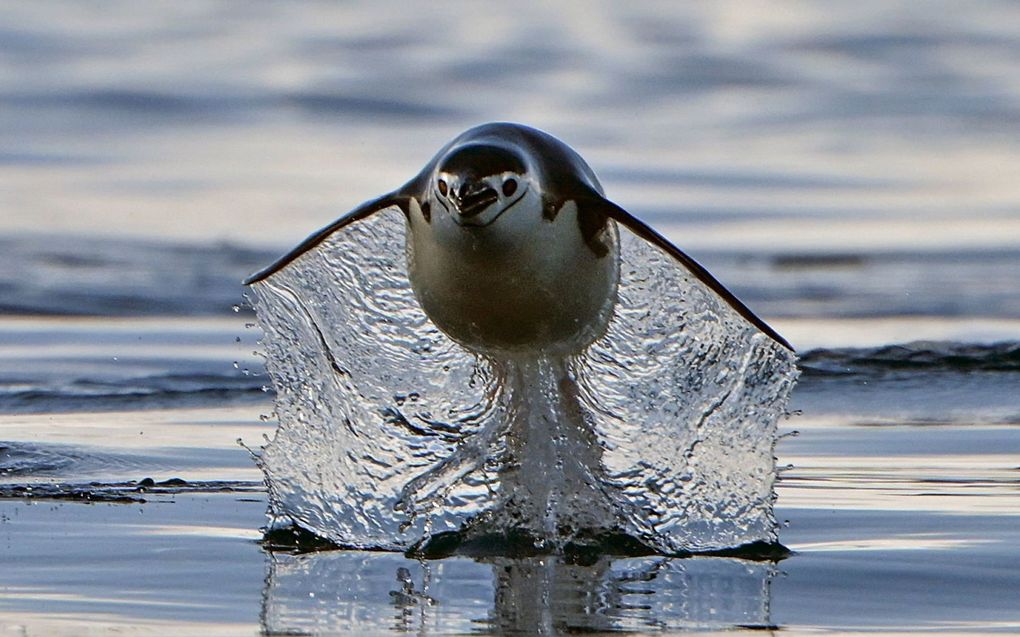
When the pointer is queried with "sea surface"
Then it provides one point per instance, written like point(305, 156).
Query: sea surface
point(847, 169)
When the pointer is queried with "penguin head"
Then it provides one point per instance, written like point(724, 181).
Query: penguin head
point(477, 182)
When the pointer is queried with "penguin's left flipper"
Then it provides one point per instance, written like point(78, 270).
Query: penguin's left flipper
point(595, 204)
point(390, 200)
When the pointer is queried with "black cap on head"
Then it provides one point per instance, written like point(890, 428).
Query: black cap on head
point(477, 161)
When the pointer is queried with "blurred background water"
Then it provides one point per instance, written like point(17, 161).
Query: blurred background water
point(848, 169)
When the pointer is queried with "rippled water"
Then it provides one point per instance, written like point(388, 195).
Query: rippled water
point(848, 169)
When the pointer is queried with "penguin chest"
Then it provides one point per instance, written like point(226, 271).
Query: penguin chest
point(521, 284)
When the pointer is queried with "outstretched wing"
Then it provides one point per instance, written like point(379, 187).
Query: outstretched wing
point(369, 392)
point(364, 210)
point(652, 236)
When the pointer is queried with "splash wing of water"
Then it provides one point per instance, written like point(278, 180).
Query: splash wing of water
point(389, 431)
point(684, 395)
point(369, 393)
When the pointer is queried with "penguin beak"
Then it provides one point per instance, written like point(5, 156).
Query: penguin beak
point(474, 197)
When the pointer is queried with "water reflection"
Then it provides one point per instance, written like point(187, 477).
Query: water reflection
point(341, 592)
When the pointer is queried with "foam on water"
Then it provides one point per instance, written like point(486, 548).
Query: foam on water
point(390, 433)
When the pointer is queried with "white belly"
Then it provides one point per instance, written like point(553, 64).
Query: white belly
point(520, 286)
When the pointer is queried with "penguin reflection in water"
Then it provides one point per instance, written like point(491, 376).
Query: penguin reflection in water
point(518, 355)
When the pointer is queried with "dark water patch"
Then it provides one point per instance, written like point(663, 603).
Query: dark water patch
point(920, 356)
point(905, 45)
point(57, 402)
point(76, 493)
point(816, 261)
point(45, 463)
point(150, 104)
point(742, 179)
point(63, 276)
point(338, 103)
point(17, 459)
point(674, 74)
point(951, 390)
point(22, 42)
point(944, 102)
point(328, 46)
point(924, 101)
point(129, 107)
point(135, 101)
point(149, 392)
point(21, 159)
point(27, 461)
point(130, 492)
point(512, 64)
point(863, 284)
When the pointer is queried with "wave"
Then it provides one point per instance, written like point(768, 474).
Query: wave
point(918, 356)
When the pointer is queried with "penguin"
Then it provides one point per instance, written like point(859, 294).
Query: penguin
point(512, 245)
point(497, 348)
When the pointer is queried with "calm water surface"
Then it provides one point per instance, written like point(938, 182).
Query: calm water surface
point(847, 168)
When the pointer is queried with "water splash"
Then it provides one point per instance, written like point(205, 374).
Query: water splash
point(390, 433)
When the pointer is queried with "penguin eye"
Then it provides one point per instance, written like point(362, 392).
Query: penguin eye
point(509, 187)
point(443, 188)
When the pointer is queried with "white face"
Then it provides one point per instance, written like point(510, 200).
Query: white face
point(477, 202)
